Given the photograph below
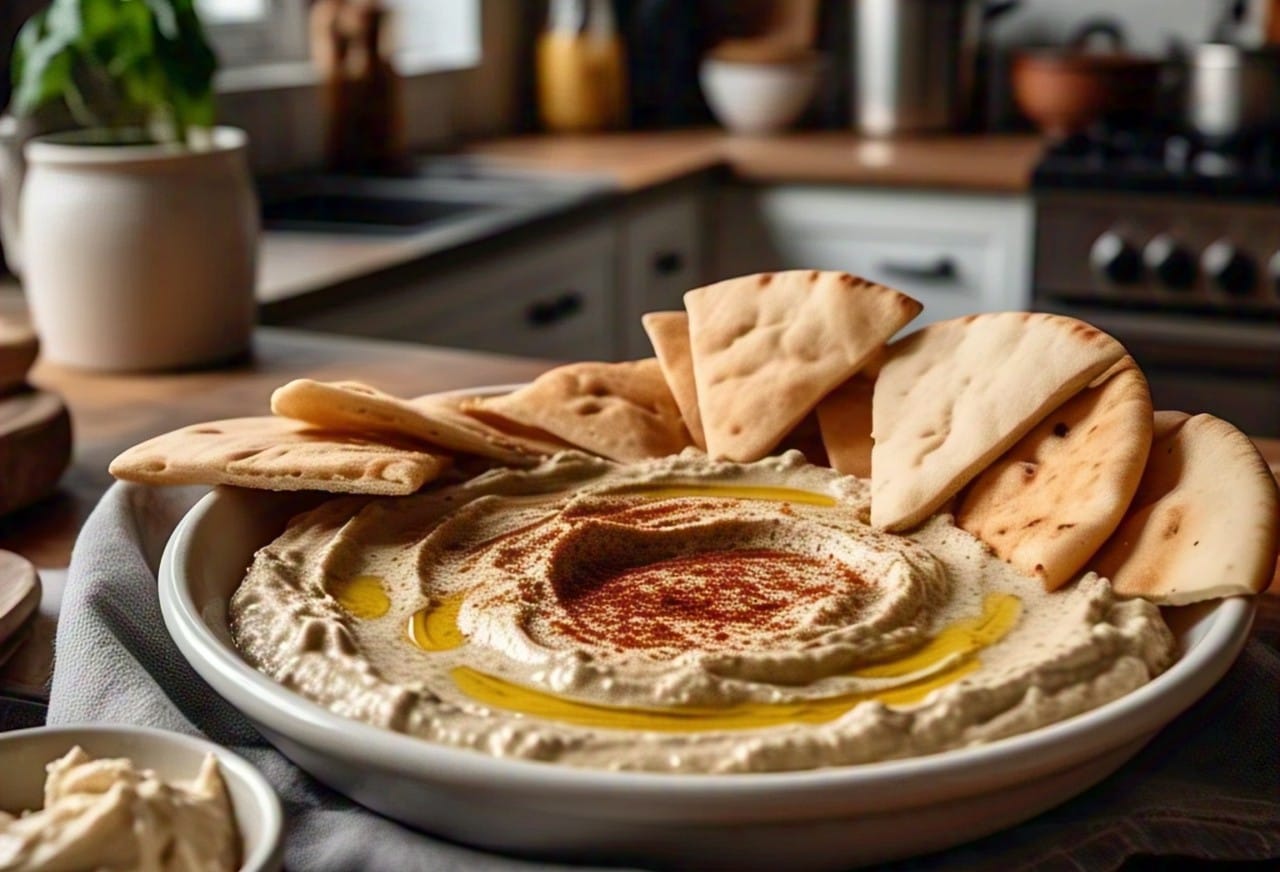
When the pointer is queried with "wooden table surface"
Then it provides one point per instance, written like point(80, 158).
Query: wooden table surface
point(112, 412)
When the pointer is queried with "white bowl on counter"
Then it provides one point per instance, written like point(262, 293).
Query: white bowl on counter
point(173, 757)
point(756, 98)
point(809, 820)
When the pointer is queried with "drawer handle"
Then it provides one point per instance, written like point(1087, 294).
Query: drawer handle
point(547, 313)
point(668, 263)
point(943, 269)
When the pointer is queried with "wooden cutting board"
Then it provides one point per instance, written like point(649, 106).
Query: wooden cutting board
point(35, 447)
point(19, 597)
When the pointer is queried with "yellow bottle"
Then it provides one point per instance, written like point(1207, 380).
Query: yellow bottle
point(581, 68)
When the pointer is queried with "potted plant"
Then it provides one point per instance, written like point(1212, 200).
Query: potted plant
point(137, 229)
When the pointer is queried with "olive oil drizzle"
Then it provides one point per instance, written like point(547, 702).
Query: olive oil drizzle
point(944, 659)
point(682, 490)
point(363, 596)
point(436, 629)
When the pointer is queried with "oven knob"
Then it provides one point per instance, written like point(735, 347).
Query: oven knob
point(1231, 269)
point(1172, 264)
point(1115, 260)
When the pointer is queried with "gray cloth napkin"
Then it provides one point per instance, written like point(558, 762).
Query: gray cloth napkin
point(1208, 787)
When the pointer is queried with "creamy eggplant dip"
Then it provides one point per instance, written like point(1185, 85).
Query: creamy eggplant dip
point(677, 615)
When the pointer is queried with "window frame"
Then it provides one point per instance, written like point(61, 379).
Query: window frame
point(280, 37)
point(275, 51)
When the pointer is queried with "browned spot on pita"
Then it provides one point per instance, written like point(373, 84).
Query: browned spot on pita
point(1079, 500)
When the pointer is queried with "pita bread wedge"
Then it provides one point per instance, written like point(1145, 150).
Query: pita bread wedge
point(272, 453)
point(1167, 423)
point(352, 407)
point(844, 419)
point(456, 408)
point(767, 348)
point(1051, 501)
point(1203, 523)
point(954, 396)
point(622, 411)
point(807, 439)
point(669, 333)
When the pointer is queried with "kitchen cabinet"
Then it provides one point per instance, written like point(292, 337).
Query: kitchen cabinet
point(661, 257)
point(572, 290)
point(956, 253)
point(551, 296)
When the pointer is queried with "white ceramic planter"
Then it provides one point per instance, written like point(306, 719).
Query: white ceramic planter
point(139, 257)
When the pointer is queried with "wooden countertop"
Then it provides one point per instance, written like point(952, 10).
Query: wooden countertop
point(634, 161)
point(112, 412)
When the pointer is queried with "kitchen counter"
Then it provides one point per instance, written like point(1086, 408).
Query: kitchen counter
point(636, 161)
point(295, 264)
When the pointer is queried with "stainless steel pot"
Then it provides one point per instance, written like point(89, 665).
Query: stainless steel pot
point(1231, 92)
point(915, 62)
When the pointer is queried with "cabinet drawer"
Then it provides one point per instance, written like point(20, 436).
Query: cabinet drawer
point(561, 313)
point(950, 274)
point(957, 254)
point(551, 299)
point(662, 257)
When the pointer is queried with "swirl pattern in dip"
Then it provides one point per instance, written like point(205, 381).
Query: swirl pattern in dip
point(677, 615)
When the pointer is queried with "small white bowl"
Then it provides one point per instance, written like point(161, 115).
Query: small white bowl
point(757, 98)
point(173, 756)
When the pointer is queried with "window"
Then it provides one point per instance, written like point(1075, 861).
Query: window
point(256, 32)
point(426, 36)
point(440, 35)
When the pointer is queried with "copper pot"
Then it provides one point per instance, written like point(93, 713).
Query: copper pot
point(1064, 90)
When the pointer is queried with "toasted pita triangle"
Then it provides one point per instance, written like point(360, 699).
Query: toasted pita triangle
point(623, 411)
point(844, 419)
point(669, 333)
point(807, 439)
point(456, 408)
point(1051, 501)
point(1167, 423)
point(954, 396)
point(767, 348)
point(358, 408)
point(272, 453)
point(1204, 521)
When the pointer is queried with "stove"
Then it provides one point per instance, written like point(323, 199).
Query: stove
point(1173, 246)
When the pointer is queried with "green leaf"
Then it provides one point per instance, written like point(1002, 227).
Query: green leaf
point(121, 61)
point(166, 16)
point(64, 19)
point(28, 38)
point(47, 67)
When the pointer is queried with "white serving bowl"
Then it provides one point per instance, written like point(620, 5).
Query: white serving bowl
point(173, 756)
point(756, 98)
point(823, 819)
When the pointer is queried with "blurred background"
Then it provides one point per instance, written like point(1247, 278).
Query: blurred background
point(528, 177)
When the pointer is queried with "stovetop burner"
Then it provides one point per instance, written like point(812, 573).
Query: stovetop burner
point(1162, 160)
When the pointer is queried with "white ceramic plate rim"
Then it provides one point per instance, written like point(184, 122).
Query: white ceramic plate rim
point(1041, 751)
point(266, 808)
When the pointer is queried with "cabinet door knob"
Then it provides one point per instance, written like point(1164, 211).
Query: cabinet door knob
point(941, 270)
point(546, 313)
point(668, 263)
